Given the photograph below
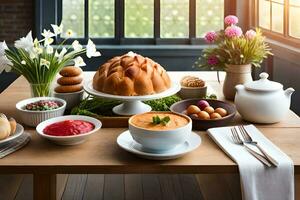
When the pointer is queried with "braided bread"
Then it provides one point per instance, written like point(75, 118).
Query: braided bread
point(131, 75)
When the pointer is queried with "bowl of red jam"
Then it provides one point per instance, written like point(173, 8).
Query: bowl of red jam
point(69, 129)
point(35, 110)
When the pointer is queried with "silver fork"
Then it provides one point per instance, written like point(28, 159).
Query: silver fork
point(237, 140)
point(249, 140)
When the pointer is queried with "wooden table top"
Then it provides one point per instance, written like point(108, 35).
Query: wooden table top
point(100, 153)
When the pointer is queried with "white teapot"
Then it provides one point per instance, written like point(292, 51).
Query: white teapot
point(263, 101)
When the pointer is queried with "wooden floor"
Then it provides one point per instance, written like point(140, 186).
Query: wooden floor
point(110, 187)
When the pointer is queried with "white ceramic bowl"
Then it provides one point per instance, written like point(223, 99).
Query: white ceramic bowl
point(72, 99)
point(160, 140)
point(192, 92)
point(33, 118)
point(68, 140)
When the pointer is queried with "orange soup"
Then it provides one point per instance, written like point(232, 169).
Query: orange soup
point(145, 121)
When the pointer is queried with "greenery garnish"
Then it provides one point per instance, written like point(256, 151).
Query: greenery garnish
point(211, 96)
point(98, 107)
point(157, 120)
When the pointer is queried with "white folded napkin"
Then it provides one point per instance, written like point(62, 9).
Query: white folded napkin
point(257, 181)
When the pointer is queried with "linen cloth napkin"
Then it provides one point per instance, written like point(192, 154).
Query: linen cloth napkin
point(14, 145)
point(257, 181)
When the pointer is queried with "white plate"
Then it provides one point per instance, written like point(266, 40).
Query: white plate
point(16, 134)
point(126, 142)
point(88, 87)
point(132, 104)
point(72, 139)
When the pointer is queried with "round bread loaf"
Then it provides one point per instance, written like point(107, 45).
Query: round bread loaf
point(70, 71)
point(131, 75)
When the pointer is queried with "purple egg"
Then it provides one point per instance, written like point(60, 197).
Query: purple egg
point(202, 104)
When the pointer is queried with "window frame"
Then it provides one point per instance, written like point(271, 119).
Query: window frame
point(50, 12)
point(284, 37)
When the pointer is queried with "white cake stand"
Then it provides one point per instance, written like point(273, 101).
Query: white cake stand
point(132, 104)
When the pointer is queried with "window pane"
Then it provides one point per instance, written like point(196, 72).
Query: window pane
point(294, 2)
point(101, 18)
point(264, 14)
point(294, 21)
point(174, 18)
point(277, 17)
point(209, 16)
point(73, 17)
point(139, 18)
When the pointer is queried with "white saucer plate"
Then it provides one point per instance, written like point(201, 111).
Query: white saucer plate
point(126, 142)
point(19, 131)
point(88, 87)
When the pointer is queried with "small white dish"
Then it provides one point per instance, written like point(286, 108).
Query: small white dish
point(192, 92)
point(19, 131)
point(126, 142)
point(33, 118)
point(73, 99)
point(68, 140)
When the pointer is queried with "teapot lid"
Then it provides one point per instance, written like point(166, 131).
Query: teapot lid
point(263, 84)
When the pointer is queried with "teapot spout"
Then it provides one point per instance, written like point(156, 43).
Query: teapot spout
point(288, 92)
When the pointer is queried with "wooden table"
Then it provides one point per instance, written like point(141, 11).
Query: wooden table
point(100, 154)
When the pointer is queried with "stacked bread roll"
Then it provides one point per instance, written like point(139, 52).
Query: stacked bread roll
point(71, 80)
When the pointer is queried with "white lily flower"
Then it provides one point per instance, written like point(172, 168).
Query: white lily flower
point(33, 54)
point(44, 62)
point(79, 62)
point(48, 41)
point(23, 62)
point(91, 50)
point(47, 34)
point(61, 55)
point(25, 42)
point(3, 47)
point(37, 50)
point(48, 37)
point(57, 29)
point(76, 45)
point(49, 49)
point(5, 64)
point(36, 42)
point(8, 68)
point(69, 33)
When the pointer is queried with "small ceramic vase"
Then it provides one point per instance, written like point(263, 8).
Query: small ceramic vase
point(235, 74)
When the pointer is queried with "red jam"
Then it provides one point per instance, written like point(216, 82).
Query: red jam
point(68, 127)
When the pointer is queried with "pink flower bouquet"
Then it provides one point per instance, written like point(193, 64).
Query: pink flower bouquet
point(232, 46)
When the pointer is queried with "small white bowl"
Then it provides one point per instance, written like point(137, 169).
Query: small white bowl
point(33, 118)
point(73, 99)
point(192, 92)
point(160, 140)
point(72, 139)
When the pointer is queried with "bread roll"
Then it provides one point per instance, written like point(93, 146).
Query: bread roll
point(70, 80)
point(13, 125)
point(131, 75)
point(5, 128)
point(70, 71)
point(68, 88)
